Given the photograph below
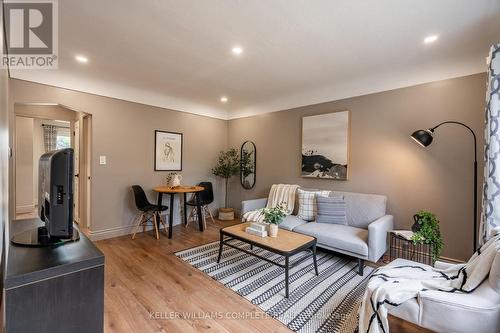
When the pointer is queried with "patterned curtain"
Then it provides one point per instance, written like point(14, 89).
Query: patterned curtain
point(491, 191)
point(49, 137)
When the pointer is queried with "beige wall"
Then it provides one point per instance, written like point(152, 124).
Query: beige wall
point(124, 133)
point(383, 158)
point(24, 164)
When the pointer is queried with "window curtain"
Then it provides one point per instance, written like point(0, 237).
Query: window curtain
point(49, 137)
point(490, 217)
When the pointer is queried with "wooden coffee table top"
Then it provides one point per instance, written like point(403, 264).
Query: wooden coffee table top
point(287, 241)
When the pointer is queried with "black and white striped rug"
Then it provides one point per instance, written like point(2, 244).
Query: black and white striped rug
point(328, 302)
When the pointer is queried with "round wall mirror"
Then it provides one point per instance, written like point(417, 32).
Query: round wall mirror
point(248, 156)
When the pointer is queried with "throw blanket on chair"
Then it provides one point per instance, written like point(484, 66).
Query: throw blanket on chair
point(391, 286)
point(279, 193)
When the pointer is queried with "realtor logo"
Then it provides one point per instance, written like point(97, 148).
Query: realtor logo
point(31, 32)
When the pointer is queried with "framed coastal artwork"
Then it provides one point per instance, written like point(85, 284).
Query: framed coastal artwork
point(168, 151)
point(325, 146)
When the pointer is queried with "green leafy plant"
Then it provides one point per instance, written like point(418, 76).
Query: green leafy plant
point(428, 233)
point(274, 215)
point(228, 165)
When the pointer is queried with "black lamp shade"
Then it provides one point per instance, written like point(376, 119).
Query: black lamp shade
point(423, 137)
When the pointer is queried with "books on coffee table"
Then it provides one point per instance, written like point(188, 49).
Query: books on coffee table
point(257, 229)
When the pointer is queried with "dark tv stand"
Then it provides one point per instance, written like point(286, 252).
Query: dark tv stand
point(52, 289)
point(39, 237)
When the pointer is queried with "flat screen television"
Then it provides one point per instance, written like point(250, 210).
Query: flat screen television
point(55, 202)
point(55, 192)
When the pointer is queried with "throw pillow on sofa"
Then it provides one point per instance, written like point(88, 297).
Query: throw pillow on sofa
point(307, 203)
point(331, 210)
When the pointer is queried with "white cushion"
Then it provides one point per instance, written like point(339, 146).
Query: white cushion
point(307, 204)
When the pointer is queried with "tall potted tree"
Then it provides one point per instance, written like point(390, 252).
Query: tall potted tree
point(228, 165)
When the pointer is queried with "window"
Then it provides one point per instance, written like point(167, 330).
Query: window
point(63, 139)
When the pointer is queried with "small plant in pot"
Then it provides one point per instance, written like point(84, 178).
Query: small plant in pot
point(228, 165)
point(274, 216)
point(426, 231)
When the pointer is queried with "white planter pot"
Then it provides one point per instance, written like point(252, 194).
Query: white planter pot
point(273, 230)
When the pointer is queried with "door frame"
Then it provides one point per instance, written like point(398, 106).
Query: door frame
point(86, 140)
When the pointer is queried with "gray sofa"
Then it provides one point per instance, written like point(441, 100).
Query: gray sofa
point(364, 236)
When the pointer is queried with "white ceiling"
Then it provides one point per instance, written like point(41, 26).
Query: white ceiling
point(177, 53)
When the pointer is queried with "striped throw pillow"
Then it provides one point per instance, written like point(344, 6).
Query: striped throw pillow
point(307, 203)
point(331, 210)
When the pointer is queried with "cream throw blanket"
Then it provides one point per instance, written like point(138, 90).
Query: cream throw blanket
point(391, 286)
point(279, 193)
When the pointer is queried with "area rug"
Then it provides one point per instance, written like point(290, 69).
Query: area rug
point(328, 302)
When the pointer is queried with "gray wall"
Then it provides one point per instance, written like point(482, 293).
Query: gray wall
point(124, 132)
point(383, 158)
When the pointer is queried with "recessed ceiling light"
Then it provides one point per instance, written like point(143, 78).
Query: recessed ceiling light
point(237, 50)
point(82, 59)
point(430, 39)
point(224, 99)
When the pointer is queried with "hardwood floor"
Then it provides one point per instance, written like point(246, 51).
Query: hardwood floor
point(148, 289)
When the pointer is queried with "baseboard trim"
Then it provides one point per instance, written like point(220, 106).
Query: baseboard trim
point(97, 235)
point(25, 209)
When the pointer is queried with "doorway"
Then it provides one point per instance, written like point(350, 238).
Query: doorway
point(42, 128)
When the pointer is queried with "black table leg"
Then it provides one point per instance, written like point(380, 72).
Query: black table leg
point(159, 200)
point(314, 258)
point(286, 275)
point(185, 209)
point(198, 209)
point(220, 247)
point(171, 215)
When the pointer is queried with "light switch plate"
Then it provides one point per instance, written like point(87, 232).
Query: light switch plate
point(102, 160)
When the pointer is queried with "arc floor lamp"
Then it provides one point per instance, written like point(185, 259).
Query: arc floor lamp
point(425, 137)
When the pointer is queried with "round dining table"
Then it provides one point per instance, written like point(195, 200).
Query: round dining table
point(184, 190)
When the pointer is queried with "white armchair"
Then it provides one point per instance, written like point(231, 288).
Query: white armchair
point(478, 311)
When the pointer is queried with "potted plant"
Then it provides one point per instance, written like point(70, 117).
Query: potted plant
point(228, 165)
point(426, 231)
point(274, 216)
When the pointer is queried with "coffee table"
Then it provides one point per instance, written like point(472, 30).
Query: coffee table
point(286, 244)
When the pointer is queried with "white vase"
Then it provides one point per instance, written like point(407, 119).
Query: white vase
point(273, 230)
point(176, 180)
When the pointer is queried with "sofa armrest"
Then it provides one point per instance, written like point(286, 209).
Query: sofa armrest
point(377, 236)
point(249, 205)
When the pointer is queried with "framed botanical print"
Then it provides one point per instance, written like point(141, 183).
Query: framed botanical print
point(325, 146)
point(168, 151)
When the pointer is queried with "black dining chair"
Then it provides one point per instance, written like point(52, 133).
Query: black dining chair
point(206, 197)
point(148, 211)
